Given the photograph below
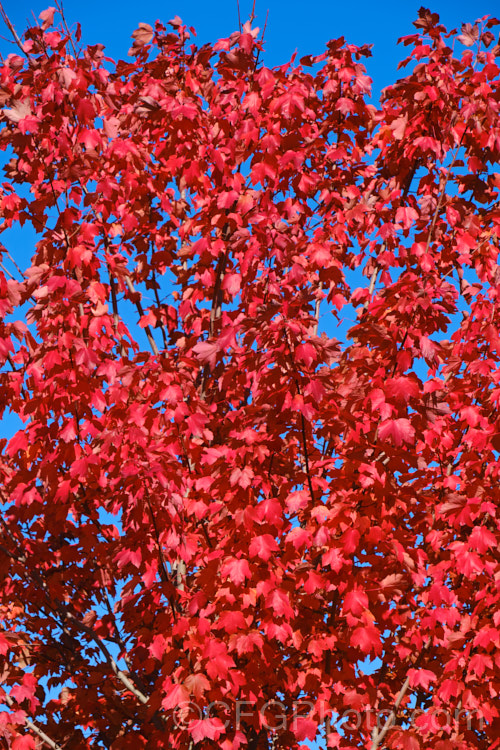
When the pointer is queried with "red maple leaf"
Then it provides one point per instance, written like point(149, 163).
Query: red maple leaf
point(398, 430)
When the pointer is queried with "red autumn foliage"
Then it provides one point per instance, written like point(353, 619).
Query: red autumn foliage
point(256, 355)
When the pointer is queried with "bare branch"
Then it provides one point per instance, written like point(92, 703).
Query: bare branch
point(377, 737)
point(14, 33)
point(60, 8)
point(140, 310)
point(239, 16)
point(317, 307)
point(252, 14)
point(68, 616)
point(33, 727)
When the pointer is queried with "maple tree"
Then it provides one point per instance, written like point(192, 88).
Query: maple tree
point(256, 356)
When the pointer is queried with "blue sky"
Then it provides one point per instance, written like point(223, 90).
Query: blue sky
point(292, 24)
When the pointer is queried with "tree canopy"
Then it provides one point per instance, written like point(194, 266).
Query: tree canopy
point(254, 345)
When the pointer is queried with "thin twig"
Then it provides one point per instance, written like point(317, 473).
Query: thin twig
point(14, 33)
point(442, 191)
point(104, 650)
point(4, 249)
point(377, 737)
point(68, 616)
point(163, 567)
point(34, 728)
point(128, 280)
point(114, 303)
point(252, 14)
point(306, 457)
point(158, 302)
point(316, 310)
point(239, 16)
point(137, 302)
point(60, 8)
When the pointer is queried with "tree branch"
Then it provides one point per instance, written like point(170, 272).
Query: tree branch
point(33, 727)
point(14, 33)
point(377, 737)
point(68, 616)
point(137, 302)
